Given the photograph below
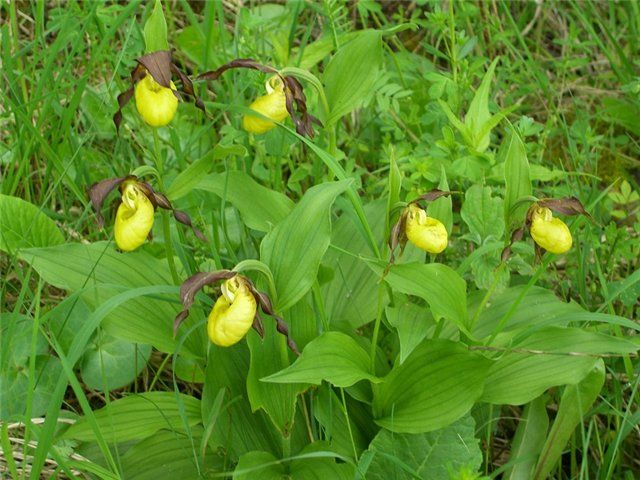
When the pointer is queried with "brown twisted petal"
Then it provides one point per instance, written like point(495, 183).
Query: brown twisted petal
point(397, 237)
point(191, 286)
point(516, 236)
point(99, 191)
point(267, 307)
point(237, 63)
point(187, 86)
point(160, 200)
point(136, 74)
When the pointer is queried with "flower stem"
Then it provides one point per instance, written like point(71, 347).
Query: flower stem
point(166, 228)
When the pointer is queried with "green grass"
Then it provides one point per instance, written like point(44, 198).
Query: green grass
point(570, 69)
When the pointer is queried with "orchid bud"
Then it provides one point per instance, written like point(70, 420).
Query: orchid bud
point(548, 232)
point(156, 104)
point(426, 233)
point(233, 313)
point(273, 106)
point(134, 218)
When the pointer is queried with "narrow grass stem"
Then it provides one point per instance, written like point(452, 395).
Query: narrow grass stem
point(166, 227)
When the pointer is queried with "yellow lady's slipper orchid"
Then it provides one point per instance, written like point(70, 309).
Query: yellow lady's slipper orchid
point(134, 218)
point(156, 104)
point(273, 105)
point(548, 232)
point(233, 313)
point(426, 233)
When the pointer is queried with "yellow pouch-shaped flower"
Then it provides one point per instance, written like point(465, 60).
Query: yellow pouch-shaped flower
point(273, 106)
point(156, 104)
point(426, 233)
point(233, 313)
point(550, 233)
point(134, 218)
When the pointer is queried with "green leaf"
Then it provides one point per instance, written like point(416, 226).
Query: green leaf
point(261, 465)
point(100, 272)
point(441, 208)
point(334, 357)
point(109, 363)
point(516, 176)
point(16, 333)
point(237, 429)
point(538, 306)
point(483, 214)
point(478, 114)
point(23, 225)
point(165, 454)
point(155, 30)
point(294, 249)
point(412, 322)
point(564, 356)
point(269, 355)
point(138, 416)
point(436, 385)
point(350, 75)
point(434, 455)
point(261, 208)
point(440, 286)
point(347, 296)
point(330, 413)
point(574, 405)
point(529, 439)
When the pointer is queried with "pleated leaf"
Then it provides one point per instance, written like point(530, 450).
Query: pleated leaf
point(436, 385)
point(294, 249)
point(138, 416)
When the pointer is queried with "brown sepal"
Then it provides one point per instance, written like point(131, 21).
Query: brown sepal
point(566, 206)
point(432, 195)
point(99, 191)
point(191, 286)
point(158, 64)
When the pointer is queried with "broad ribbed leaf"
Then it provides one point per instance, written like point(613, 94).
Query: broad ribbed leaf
point(351, 74)
point(574, 405)
point(412, 322)
point(516, 177)
point(437, 384)
point(261, 208)
point(483, 214)
point(529, 439)
point(23, 225)
point(101, 272)
point(436, 455)
point(165, 454)
point(268, 356)
point(442, 288)
point(520, 376)
point(138, 416)
point(334, 357)
point(294, 249)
